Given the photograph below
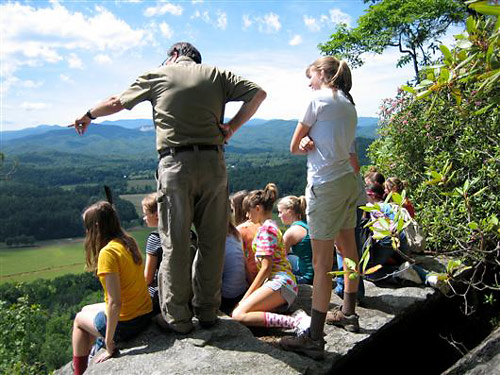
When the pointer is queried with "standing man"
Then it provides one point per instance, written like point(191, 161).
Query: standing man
point(188, 101)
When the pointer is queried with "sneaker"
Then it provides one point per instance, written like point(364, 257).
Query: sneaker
point(406, 272)
point(304, 344)
point(303, 321)
point(183, 328)
point(337, 318)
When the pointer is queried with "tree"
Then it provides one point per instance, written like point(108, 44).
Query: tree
point(444, 141)
point(412, 26)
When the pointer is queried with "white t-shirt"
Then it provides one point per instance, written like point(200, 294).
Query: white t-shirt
point(332, 119)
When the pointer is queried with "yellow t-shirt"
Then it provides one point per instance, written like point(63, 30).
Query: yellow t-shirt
point(115, 258)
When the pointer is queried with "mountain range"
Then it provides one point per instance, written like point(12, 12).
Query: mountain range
point(137, 137)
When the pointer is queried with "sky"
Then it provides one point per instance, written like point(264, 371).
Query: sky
point(59, 58)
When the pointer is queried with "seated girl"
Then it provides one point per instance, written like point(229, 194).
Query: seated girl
point(292, 212)
point(234, 282)
point(154, 250)
point(381, 251)
point(275, 285)
point(247, 229)
point(115, 258)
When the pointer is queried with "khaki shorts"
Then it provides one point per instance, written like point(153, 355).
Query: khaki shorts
point(331, 207)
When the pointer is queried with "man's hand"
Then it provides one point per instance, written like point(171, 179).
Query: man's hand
point(81, 124)
point(306, 144)
point(227, 131)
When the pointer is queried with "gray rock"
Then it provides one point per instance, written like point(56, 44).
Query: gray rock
point(482, 360)
point(230, 347)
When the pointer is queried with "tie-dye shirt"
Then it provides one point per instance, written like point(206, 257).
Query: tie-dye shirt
point(269, 242)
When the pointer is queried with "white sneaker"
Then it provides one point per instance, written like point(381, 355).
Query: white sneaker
point(406, 272)
point(442, 286)
point(303, 321)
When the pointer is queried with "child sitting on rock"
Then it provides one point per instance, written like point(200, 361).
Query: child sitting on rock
point(275, 285)
point(154, 251)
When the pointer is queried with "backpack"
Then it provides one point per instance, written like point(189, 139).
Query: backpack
point(415, 237)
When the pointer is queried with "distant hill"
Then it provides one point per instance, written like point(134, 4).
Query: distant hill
point(7, 135)
point(136, 137)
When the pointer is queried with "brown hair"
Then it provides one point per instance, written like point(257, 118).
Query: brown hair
point(375, 177)
point(395, 184)
point(337, 74)
point(237, 206)
point(103, 225)
point(150, 203)
point(296, 204)
point(375, 190)
point(265, 198)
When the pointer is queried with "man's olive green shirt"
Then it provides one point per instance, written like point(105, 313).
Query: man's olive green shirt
point(188, 101)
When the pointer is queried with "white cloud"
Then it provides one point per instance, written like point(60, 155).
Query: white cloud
point(204, 16)
point(102, 59)
point(161, 8)
point(296, 40)
point(31, 84)
point(196, 1)
point(247, 22)
point(337, 16)
point(65, 78)
point(35, 36)
point(166, 30)
point(74, 62)
point(270, 23)
point(334, 17)
point(30, 106)
point(311, 23)
point(221, 20)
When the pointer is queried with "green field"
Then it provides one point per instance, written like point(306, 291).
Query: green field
point(136, 200)
point(50, 258)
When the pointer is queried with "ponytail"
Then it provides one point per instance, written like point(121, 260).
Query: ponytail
point(337, 74)
point(265, 198)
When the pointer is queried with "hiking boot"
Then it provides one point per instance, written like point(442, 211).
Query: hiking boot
point(304, 344)
point(208, 323)
point(182, 327)
point(337, 318)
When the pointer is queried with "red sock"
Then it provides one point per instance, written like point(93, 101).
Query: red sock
point(80, 364)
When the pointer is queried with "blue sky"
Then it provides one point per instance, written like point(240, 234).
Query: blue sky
point(61, 57)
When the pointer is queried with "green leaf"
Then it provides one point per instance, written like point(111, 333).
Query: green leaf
point(479, 192)
point(396, 198)
point(353, 276)
point(483, 7)
point(350, 264)
point(446, 52)
point(473, 225)
point(493, 220)
point(464, 43)
point(424, 94)
point(409, 89)
point(365, 258)
point(470, 25)
point(373, 269)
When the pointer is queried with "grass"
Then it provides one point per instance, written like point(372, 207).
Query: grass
point(50, 259)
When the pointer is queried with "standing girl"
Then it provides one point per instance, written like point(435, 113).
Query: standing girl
point(115, 258)
point(275, 285)
point(325, 133)
point(292, 211)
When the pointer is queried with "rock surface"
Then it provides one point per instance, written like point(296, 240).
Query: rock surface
point(229, 347)
point(482, 360)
